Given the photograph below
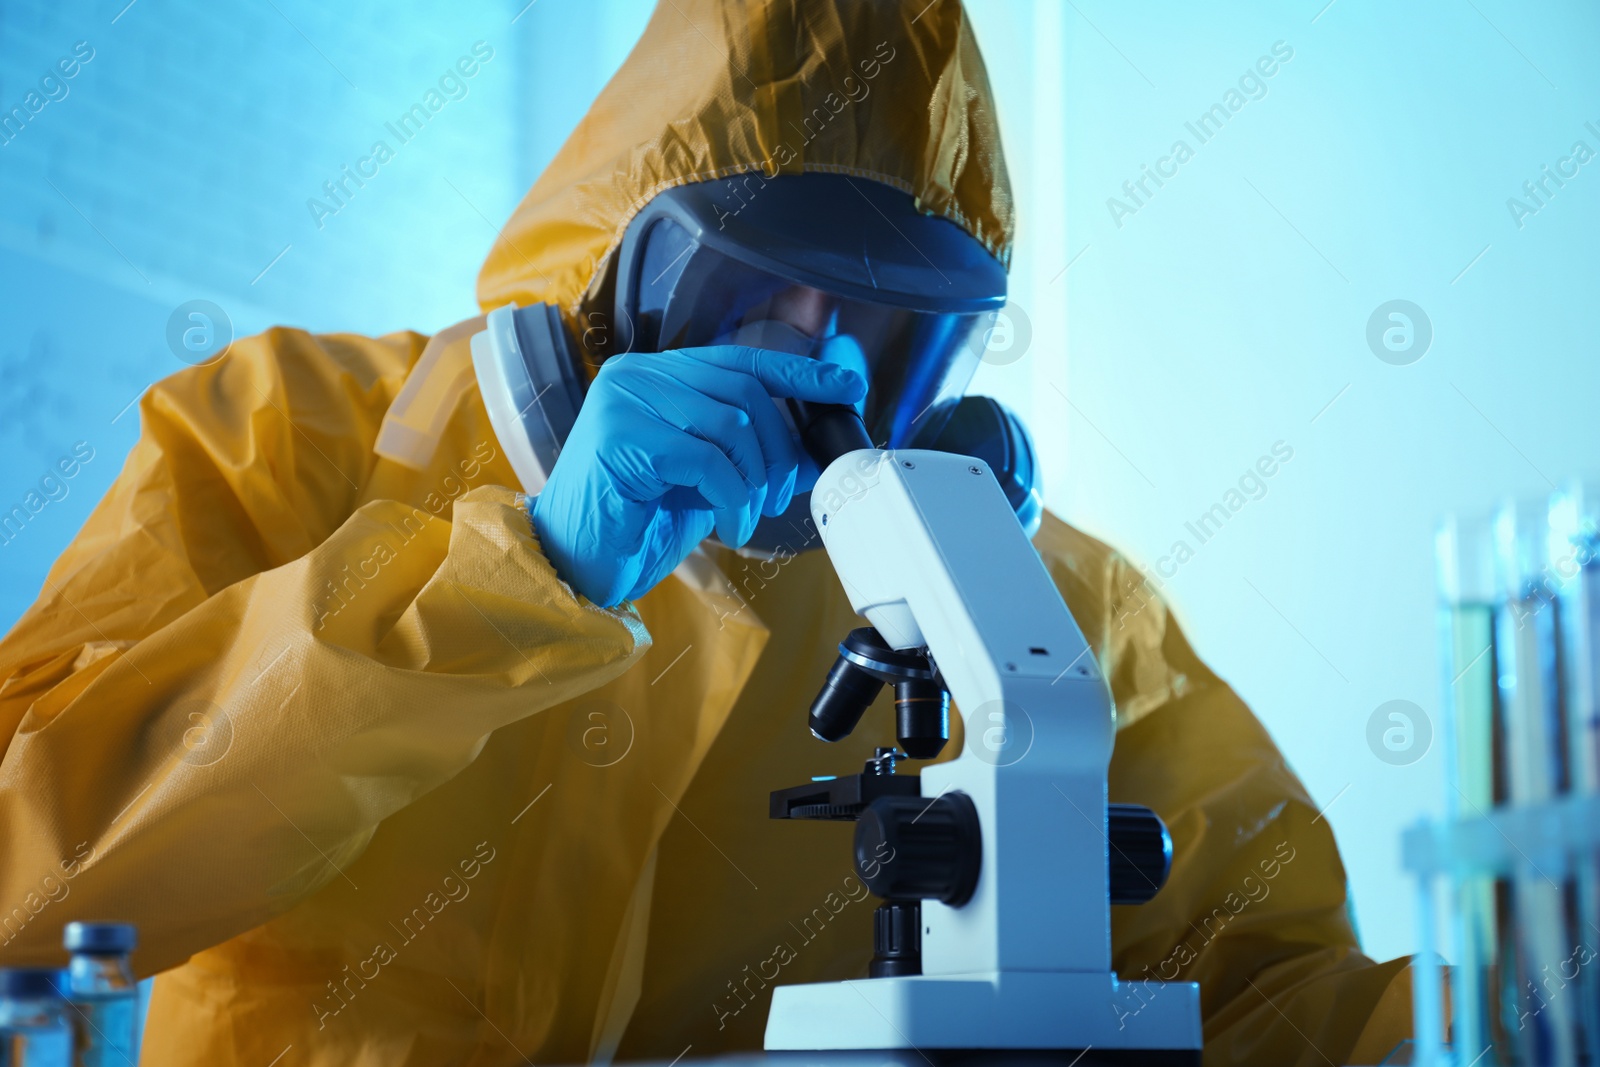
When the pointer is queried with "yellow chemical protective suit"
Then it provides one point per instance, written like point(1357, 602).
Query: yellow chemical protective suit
point(305, 701)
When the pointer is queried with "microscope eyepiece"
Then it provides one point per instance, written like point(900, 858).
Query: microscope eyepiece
point(829, 431)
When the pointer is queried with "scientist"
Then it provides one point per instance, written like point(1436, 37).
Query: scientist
point(392, 767)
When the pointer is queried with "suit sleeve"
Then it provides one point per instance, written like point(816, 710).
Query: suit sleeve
point(1256, 908)
point(244, 662)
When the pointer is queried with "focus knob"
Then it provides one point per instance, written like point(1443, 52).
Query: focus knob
point(909, 848)
point(1141, 853)
point(896, 939)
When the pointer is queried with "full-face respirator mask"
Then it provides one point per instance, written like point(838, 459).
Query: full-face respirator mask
point(828, 266)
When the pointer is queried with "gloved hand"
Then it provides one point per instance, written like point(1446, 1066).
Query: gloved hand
point(667, 447)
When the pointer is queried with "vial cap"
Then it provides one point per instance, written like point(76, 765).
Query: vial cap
point(100, 938)
point(31, 983)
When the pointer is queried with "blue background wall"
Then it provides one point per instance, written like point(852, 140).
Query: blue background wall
point(1228, 312)
point(178, 166)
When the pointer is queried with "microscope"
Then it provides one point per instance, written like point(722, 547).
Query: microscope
point(997, 868)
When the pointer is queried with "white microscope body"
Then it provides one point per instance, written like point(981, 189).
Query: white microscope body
point(931, 553)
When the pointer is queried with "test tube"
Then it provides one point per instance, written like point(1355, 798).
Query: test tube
point(1575, 572)
point(1575, 566)
point(1545, 900)
point(1484, 975)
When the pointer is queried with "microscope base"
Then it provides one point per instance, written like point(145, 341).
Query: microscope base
point(998, 1010)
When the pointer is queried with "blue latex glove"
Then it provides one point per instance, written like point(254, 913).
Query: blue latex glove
point(667, 447)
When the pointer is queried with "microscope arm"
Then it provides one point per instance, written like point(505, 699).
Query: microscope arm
point(930, 552)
